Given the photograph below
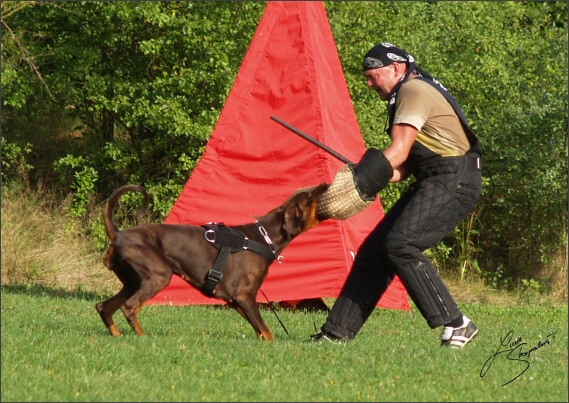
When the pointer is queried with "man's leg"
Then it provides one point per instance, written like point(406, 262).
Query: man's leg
point(368, 279)
point(431, 214)
point(422, 217)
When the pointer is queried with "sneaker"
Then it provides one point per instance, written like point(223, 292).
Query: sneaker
point(457, 337)
point(324, 337)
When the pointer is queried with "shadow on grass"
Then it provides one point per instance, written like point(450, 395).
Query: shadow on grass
point(40, 290)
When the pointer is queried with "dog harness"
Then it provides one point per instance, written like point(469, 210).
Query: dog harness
point(229, 240)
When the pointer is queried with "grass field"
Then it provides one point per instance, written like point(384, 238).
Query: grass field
point(55, 348)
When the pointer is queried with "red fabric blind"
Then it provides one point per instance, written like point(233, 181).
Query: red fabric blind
point(252, 164)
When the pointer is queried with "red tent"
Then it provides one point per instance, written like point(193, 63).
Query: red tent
point(251, 164)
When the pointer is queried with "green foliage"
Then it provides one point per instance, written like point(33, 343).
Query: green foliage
point(439, 254)
point(98, 234)
point(531, 286)
point(81, 178)
point(466, 236)
point(147, 84)
point(20, 75)
point(511, 80)
point(14, 164)
point(496, 280)
point(149, 81)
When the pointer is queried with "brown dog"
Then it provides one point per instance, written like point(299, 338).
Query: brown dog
point(144, 258)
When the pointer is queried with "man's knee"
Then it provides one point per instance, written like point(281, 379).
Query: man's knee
point(396, 247)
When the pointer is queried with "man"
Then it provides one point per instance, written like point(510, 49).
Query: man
point(431, 140)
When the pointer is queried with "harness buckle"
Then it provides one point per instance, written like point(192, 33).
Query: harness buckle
point(246, 243)
point(280, 259)
point(214, 275)
point(264, 233)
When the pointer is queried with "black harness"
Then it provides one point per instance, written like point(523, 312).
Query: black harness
point(229, 240)
point(424, 76)
point(472, 139)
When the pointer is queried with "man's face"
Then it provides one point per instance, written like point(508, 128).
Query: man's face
point(382, 80)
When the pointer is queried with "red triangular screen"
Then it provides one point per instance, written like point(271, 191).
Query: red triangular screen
point(252, 164)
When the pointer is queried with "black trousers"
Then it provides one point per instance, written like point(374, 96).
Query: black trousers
point(445, 192)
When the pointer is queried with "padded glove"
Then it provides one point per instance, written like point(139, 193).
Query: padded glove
point(371, 174)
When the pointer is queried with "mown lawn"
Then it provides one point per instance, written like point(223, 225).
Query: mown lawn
point(55, 348)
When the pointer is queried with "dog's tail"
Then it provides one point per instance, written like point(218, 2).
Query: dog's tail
point(110, 225)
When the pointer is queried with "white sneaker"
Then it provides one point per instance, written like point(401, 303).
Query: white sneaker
point(457, 337)
point(322, 337)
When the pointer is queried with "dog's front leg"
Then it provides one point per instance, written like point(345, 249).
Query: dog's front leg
point(251, 313)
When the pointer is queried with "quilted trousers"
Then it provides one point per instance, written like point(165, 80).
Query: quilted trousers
point(445, 192)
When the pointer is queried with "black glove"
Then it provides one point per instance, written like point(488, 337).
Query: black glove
point(371, 174)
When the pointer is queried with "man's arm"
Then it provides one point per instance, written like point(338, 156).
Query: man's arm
point(402, 138)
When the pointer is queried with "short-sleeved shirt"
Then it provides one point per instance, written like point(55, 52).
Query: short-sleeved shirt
point(420, 105)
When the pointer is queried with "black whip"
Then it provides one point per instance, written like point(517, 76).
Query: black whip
point(273, 309)
point(312, 140)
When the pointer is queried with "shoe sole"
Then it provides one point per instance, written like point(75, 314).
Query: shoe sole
point(457, 346)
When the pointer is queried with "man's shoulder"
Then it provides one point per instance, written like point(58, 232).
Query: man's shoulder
point(417, 84)
point(418, 88)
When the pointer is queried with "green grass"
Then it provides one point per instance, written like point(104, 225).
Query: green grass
point(55, 348)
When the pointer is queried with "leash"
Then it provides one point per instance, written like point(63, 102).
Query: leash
point(271, 305)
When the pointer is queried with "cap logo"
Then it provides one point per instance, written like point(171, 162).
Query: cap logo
point(396, 58)
point(372, 63)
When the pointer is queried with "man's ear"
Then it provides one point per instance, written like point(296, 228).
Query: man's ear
point(400, 68)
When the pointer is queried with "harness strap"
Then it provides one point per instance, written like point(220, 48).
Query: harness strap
point(228, 240)
point(216, 272)
point(472, 139)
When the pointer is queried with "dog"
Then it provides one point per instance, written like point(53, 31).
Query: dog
point(145, 257)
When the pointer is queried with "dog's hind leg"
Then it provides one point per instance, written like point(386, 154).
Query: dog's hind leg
point(148, 289)
point(249, 310)
point(107, 309)
point(131, 315)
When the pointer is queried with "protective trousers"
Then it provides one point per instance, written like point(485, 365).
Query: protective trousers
point(444, 193)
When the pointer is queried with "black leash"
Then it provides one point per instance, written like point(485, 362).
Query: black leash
point(275, 312)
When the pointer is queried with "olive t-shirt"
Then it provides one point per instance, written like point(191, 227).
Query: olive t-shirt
point(423, 107)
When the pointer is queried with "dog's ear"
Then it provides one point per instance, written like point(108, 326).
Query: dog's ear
point(291, 222)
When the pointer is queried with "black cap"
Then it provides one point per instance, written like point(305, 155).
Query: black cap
point(383, 54)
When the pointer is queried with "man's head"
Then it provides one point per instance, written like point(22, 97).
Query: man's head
point(384, 54)
point(384, 66)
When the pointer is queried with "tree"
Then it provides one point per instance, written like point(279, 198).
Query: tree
point(148, 82)
point(143, 86)
point(511, 80)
